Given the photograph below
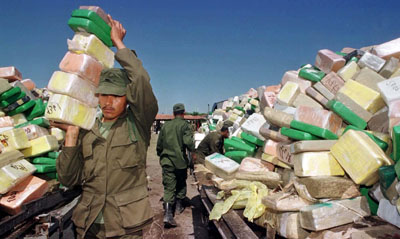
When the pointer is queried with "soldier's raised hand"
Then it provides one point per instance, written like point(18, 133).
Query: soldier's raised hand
point(118, 33)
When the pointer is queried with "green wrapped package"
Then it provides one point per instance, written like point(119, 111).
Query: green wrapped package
point(382, 144)
point(44, 160)
point(22, 108)
point(45, 168)
point(36, 111)
point(311, 73)
point(233, 145)
point(240, 108)
point(17, 104)
point(346, 114)
point(92, 16)
point(237, 156)
point(53, 154)
point(297, 134)
point(11, 92)
point(312, 129)
point(252, 139)
point(397, 169)
point(4, 85)
point(12, 99)
point(373, 206)
point(42, 122)
point(82, 24)
point(242, 141)
point(52, 175)
point(396, 142)
point(387, 175)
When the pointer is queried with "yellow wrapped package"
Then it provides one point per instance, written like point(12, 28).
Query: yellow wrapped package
point(348, 71)
point(6, 182)
point(364, 96)
point(91, 45)
point(288, 93)
point(10, 157)
point(316, 164)
point(14, 139)
point(41, 145)
point(360, 157)
point(74, 86)
point(68, 110)
point(58, 133)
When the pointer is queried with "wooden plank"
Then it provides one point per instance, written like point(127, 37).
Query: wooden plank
point(232, 219)
point(221, 226)
point(37, 206)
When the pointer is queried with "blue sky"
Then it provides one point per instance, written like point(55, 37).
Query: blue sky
point(200, 52)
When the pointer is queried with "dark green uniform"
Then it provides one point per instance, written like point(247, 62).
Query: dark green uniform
point(212, 143)
point(112, 170)
point(175, 137)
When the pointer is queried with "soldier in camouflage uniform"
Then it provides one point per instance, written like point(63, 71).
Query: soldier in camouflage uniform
point(175, 138)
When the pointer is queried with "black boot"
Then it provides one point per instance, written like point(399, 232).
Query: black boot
point(169, 220)
point(179, 207)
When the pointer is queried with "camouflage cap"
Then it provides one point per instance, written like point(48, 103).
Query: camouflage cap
point(178, 107)
point(113, 82)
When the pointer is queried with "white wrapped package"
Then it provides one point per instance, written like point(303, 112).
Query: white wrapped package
point(221, 166)
point(372, 61)
point(388, 212)
point(14, 139)
point(253, 124)
point(74, 86)
point(58, 133)
point(41, 145)
point(35, 131)
point(6, 121)
point(62, 108)
point(388, 49)
point(390, 89)
point(14, 173)
point(84, 65)
point(91, 45)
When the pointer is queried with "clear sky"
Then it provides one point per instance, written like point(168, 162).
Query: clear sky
point(200, 52)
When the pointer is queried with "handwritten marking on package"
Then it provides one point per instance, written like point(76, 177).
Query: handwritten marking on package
point(19, 167)
point(12, 197)
point(4, 140)
point(53, 108)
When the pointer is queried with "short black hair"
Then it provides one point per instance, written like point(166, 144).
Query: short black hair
point(224, 128)
point(179, 112)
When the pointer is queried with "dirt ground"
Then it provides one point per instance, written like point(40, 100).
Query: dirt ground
point(192, 223)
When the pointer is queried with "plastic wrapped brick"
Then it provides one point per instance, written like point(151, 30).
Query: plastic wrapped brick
point(303, 99)
point(293, 77)
point(98, 11)
point(311, 146)
point(253, 124)
point(73, 86)
point(222, 166)
point(59, 134)
point(62, 108)
point(334, 213)
point(316, 164)
point(79, 24)
point(288, 93)
point(319, 117)
point(348, 71)
point(372, 61)
point(29, 84)
point(91, 45)
point(28, 190)
point(330, 187)
point(249, 164)
point(328, 61)
point(83, 65)
point(360, 157)
point(277, 117)
point(390, 67)
point(19, 170)
point(14, 139)
point(10, 73)
point(41, 145)
point(23, 88)
point(390, 89)
point(369, 78)
point(332, 82)
point(6, 121)
point(10, 157)
point(388, 49)
point(4, 85)
point(35, 131)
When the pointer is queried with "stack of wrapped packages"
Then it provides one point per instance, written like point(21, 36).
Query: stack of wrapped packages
point(27, 144)
point(319, 150)
point(73, 99)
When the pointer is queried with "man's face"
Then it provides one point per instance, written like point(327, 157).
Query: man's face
point(112, 106)
point(225, 134)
